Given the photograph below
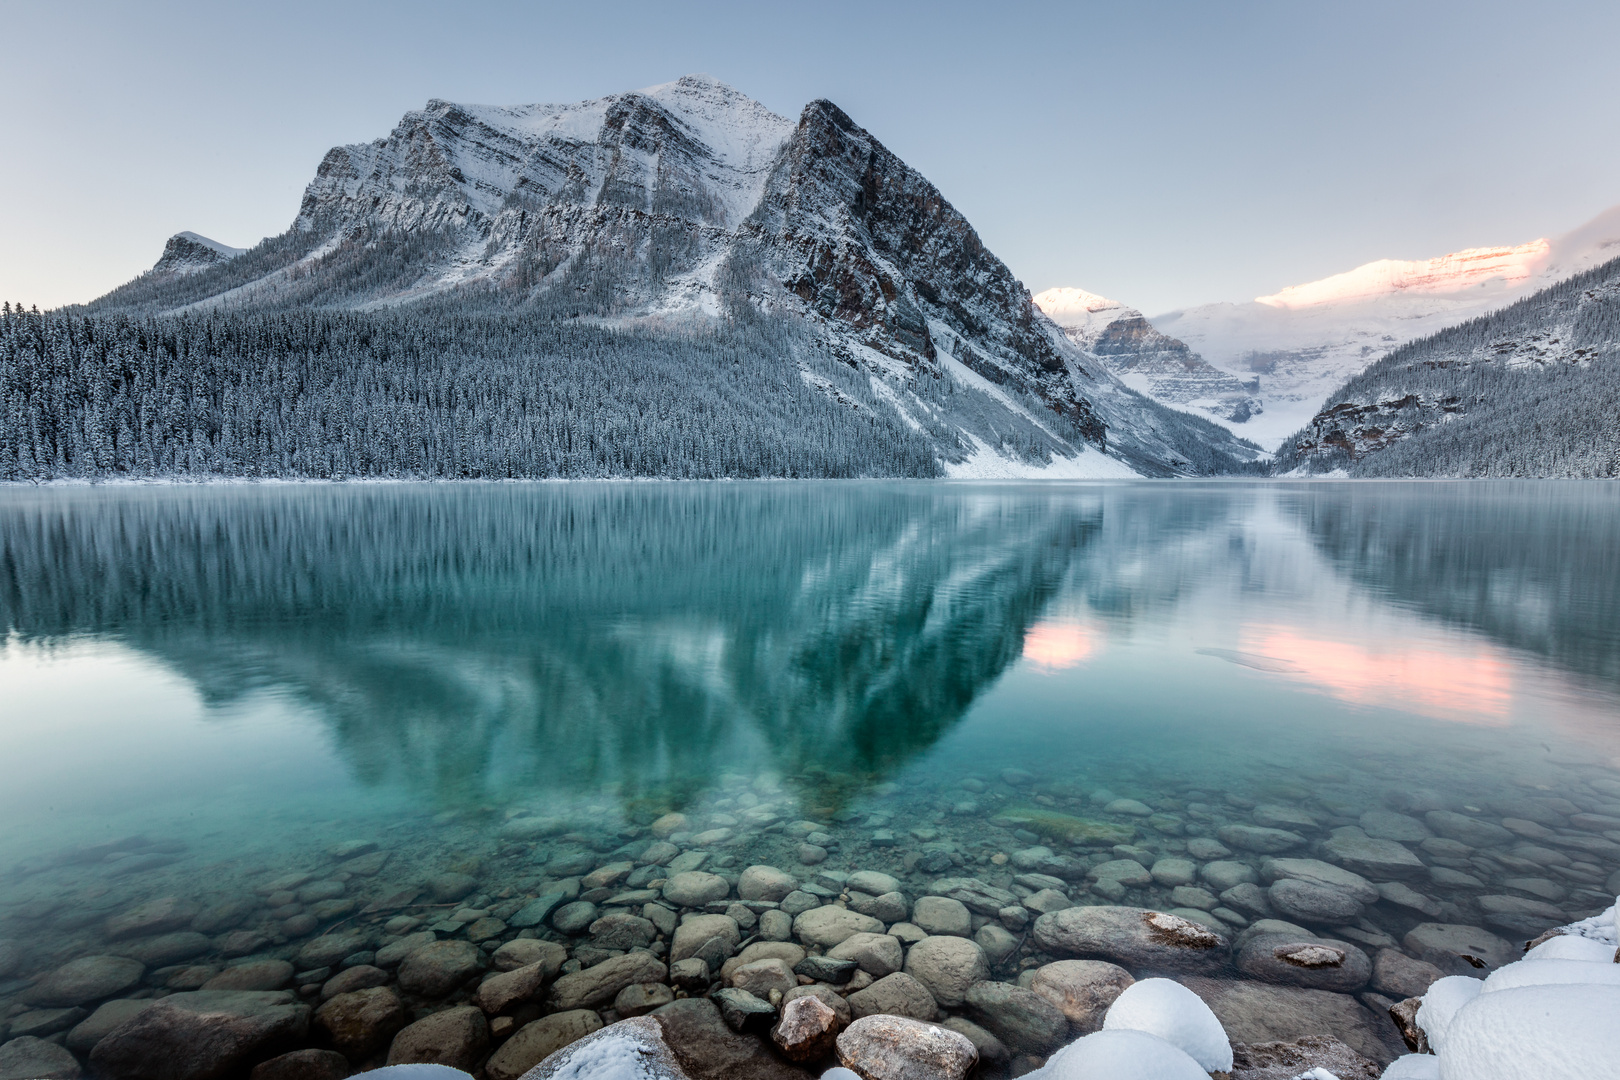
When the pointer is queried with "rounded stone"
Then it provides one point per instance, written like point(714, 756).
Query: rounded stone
point(942, 915)
point(521, 952)
point(254, 975)
point(1316, 964)
point(28, 1058)
point(1081, 990)
point(765, 883)
point(895, 995)
point(87, 979)
point(440, 969)
point(876, 954)
point(1312, 903)
point(1133, 937)
point(775, 925)
point(574, 918)
point(362, 1022)
point(872, 882)
point(807, 1030)
point(1021, 1018)
point(639, 999)
point(829, 925)
point(694, 888)
point(947, 966)
point(898, 1048)
point(457, 1037)
point(534, 1042)
point(450, 887)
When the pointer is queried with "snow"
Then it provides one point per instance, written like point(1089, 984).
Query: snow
point(1316, 1074)
point(418, 1072)
point(1573, 947)
point(1121, 1055)
point(1444, 999)
point(215, 245)
point(1444, 275)
point(1174, 1013)
point(1604, 926)
point(1084, 312)
point(1413, 1067)
point(988, 463)
point(1552, 972)
point(1542, 1032)
point(838, 1072)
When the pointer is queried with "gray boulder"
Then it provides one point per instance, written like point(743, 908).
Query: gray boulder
point(1081, 990)
point(1026, 1021)
point(1133, 938)
point(947, 966)
point(201, 1035)
point(898, 1048)
point(1313, 963)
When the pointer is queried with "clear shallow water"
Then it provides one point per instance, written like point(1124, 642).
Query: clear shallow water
point(504, 680)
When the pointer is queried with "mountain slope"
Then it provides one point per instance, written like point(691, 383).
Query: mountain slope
point(689, 208)
point(1531, 390)
point(1158, 366)
point(1304, 341)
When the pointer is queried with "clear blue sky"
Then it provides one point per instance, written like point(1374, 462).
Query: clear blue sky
point(1161, 153)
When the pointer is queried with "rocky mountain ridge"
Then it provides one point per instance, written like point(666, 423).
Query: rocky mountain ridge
point(1531, 390)
point(1159, 366)
point(690, 204)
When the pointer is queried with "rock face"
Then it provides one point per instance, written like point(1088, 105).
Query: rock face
point(1133, 938)
point(187, 253)
point(691, 200)
point(1159, 366)
point(204, 1035)
point(895, 1048)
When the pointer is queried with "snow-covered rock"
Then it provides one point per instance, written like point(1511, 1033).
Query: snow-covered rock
point(1413, 1067)
point(628, 1050)
point(1174, 1013)
point(1573, 947)
point(1552, 973)
point(1440, 1005)
point(188, 253)
point(1545, 1032)
point(1121, 1054)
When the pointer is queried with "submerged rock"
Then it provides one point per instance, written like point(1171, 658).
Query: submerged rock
point(28, 1058)
point(201, 1035)
point(534, 1042)
point(87, 979)
point(1288, 1060)
point(1133, 938)
point(1082, 990)
point(457, 1037)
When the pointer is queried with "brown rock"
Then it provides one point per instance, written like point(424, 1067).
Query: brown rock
point(1404, 1015)
point(303, 1065)
point(898, 1048)
point(202, 1035)
point(534, 1042)
point(361, 1022)
point(762, 976)
point(827, 996)
point(1400, 976)
point(895, 995)
point(708, 1050)
point(456, 1037)
point(500, 992)
point(522, 952)
point(359, 977)
point(1082, 990)
point(596, 986)
point(1254, 1012)
point(642, 998)
point(807, 1031)
point(440, 969)
point(1287, 1060)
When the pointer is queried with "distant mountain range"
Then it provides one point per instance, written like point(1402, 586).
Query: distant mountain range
point(1295, 348)
point(873, 312)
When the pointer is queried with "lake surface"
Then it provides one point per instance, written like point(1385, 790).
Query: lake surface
point(202, 688)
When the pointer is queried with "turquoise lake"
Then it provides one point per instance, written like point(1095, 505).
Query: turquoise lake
point(203, 684)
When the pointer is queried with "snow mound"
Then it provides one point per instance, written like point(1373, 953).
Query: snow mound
point(1121, 1054)
point(1413, 1067)
point(1441, 1004)
point(419, 1072)
point(1604, 926)
point(1552, 973)
point(1544, 1032)
point(838, 1072)
point(1177, 1015)
point(1571, 947)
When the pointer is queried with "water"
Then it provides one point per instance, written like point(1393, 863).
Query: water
point(219, 684)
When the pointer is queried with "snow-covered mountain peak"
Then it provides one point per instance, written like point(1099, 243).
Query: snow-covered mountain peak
point(188, 252)
point(1442, 276)
point(1077, 309)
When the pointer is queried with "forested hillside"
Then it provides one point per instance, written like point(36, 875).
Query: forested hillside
point(1531, 390)
point(430, 392)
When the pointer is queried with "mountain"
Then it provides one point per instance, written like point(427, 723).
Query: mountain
point(690, 212)
point(1530, 390)
point(1304, 341)
point(187, 253)
point(1161, 367)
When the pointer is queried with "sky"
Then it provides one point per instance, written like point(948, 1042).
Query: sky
point(1161, 153)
